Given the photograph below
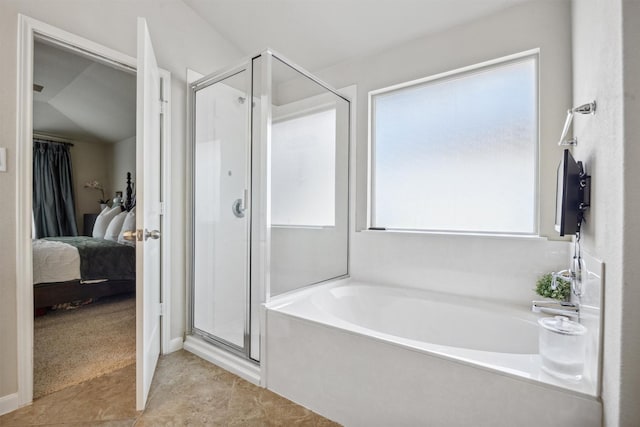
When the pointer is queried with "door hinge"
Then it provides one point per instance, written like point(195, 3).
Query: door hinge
point(162, 308)
point(161, 208)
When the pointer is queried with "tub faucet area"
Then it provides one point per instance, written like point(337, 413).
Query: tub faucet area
point(574, 277)
point(558, 308)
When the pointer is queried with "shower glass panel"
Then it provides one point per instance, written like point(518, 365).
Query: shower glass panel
point(309, 185)
point(221, 220)
point(270, 190)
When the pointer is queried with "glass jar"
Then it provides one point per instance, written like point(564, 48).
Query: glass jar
point(562, 347)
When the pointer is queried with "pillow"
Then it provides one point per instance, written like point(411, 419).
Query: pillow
point(115, 226)
point(103, 220)
point(128, 225)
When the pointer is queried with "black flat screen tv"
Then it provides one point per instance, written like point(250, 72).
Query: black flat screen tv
point(569, 195)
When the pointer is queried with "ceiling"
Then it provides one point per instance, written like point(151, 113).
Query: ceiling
point(319, 33)
point(81, 100)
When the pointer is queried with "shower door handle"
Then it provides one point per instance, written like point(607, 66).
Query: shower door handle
point(240, 205)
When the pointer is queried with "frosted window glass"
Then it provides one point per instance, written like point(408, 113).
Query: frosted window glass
point(303, 170)
point(458, 154)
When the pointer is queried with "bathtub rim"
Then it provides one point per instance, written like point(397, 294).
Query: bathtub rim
point(276, 304)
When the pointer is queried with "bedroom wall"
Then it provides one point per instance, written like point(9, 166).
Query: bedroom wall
point(181, 39)
point(91, 161)
point(124, 160)
point(496, 267)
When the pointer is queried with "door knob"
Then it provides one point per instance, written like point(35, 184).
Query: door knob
point(153, 234)
point(131, 236)
point(140, 235)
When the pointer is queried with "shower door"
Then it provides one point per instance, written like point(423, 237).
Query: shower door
point(221, 212)
point(270, 194)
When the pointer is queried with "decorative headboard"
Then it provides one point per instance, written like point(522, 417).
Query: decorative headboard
point(130, 200)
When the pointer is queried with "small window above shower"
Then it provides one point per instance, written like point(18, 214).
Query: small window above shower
point(457, 152)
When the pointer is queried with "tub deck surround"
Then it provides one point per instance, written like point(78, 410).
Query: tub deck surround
point(499, 337)
point(378, 355)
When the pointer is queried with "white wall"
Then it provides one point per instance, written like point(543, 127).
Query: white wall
point(181, 39)
point(124, 160)
point(607, 69)
point(497, 267)
point(630, 358)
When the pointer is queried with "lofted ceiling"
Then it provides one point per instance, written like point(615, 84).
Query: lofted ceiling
point(81, 100)
point(319, 33)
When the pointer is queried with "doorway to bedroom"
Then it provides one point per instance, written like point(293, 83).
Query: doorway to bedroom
point(152, 191)
point(84, 267)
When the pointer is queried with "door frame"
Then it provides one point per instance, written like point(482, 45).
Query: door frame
point(30, 30)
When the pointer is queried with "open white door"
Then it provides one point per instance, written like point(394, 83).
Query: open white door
point(148, 210)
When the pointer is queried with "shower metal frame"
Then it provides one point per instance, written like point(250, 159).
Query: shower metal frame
point(199, 84)
point(262, 255)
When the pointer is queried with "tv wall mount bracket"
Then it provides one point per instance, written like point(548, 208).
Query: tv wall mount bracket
point(584, 194)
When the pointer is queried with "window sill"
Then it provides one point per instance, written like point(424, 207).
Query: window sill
point(305, 227)
point(454, 234)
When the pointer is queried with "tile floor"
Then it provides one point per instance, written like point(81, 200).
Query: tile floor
point(186, 391)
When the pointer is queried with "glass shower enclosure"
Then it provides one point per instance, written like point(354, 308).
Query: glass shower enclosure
point(269, 194)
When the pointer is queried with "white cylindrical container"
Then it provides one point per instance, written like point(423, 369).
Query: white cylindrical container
point(562, 347)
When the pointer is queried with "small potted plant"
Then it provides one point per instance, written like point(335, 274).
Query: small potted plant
point(561, 291)
point(97, 186)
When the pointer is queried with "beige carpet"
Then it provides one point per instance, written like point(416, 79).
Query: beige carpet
point(72, 346)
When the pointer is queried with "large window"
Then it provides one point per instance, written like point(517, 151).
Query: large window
point(457, 152)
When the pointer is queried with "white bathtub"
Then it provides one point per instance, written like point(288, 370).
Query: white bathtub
point(371, 355)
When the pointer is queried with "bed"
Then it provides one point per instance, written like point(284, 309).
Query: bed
point(79, 268)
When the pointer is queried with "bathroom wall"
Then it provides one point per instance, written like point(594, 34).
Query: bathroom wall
point(607, 69)
point(181, 39)
point(497, 267)
point(630, 358)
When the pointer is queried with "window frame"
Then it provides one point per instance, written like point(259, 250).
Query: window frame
point(533, 54)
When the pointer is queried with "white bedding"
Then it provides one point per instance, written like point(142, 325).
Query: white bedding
point(55, 262)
